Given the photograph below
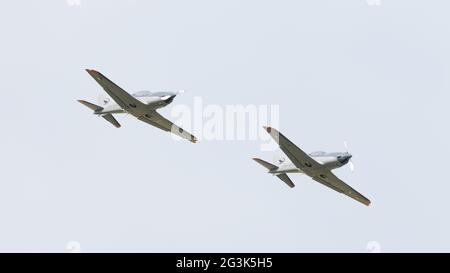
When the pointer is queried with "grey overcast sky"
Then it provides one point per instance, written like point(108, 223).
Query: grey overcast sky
point(377, 76)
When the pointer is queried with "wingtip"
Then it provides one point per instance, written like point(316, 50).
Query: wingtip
point(268, 129)
point(365, 202)
point(194, 139)
point(88, 70)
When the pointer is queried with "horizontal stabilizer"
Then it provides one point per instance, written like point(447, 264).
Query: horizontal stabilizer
point(110, 118)
point(92, 106)
point(266, 164)
point(286, 180)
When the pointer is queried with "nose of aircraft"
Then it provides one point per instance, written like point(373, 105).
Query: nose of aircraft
point(168, 98)
point(344, 158)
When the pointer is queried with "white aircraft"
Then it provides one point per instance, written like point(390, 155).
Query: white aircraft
point(317, 165)
point(142, 105)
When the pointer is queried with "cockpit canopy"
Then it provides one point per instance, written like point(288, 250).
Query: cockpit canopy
point(318, 153)
point(143, 94)
point(152, 94)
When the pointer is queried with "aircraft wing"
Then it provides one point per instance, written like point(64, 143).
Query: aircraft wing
point(155, 119)
point(300, 159)
point(330, 180)
point(120, 96)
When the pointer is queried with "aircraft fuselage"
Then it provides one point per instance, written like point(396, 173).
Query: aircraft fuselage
point(329, 161)
point(153, 103)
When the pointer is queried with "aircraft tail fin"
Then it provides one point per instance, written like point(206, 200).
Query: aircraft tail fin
point(110, 118)
point(266, 164)
point(91, 106)
point(282, 176)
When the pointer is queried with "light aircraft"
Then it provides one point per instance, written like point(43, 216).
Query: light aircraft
point(142, 105)
point(317, 165)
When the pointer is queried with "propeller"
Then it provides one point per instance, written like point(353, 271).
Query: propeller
point(350, 162)
point(351, 165)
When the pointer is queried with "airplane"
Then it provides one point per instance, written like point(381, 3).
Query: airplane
point(141, 105)
point(317, 165)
